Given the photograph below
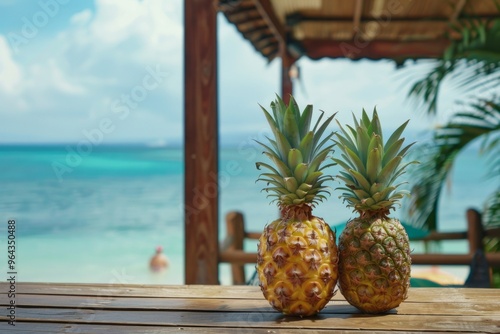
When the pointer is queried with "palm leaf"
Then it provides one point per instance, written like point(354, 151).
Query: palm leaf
point(472, 62)
point(492, 212)
point(480, 121)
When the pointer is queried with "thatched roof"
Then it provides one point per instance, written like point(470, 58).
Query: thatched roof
point(375, 29)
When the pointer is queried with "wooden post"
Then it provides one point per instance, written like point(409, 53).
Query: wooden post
point(286, 80)
point(235, 226)
point(201, 143)
point(480, 271)
point(475, 232)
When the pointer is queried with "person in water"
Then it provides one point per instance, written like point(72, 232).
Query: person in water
point(159, 261)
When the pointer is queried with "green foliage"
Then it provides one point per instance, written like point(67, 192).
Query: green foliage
point(370, 166)
point(492, 213)
point(297, 153)
point(471, 62)
point(479, 121)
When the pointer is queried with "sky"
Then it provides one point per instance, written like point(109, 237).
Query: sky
point(112, 70)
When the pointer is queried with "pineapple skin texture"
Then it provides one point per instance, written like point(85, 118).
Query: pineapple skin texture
point(374, 264)
point(297, 265)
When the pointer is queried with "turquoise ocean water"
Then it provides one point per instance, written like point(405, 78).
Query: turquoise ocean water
point(97, 216)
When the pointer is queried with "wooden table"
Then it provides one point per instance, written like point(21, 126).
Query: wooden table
point(94, 308)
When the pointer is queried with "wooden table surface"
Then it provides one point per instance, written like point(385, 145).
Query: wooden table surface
point(99, 308)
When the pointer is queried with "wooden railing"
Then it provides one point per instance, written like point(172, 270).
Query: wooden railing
point(232, 252)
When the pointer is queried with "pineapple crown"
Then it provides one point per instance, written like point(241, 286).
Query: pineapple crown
point(297, 152)
point(370, 167)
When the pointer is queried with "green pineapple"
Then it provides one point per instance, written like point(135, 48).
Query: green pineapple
point(297, 253)
point(374, 250)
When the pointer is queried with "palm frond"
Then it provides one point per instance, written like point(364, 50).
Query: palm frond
point(479, 121)
point(491, 215)
point(472, 62)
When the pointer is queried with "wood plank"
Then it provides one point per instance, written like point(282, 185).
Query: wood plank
point(201, 214)
point(423, 295)
point(455, 295)
point(275, 321)
point(40, 327)
point(142, 303)
point(223, 309)
point(130, 290)
point(237, 305)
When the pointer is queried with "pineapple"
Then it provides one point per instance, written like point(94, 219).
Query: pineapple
point(374, 250)
point(297, 254)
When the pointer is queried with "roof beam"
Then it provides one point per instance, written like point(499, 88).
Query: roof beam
point(376, 49)
point(458, 9)
point(377, 8)
point(247, 14)
point(358, 10)
point(266, 10)
point(298, 18)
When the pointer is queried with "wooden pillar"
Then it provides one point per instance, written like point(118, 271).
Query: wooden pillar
point(201, 142)
point(286, 80)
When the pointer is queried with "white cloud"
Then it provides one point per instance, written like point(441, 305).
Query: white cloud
point(10, 72)
point(115, 20)
point(145, 29)
point(99, 57)
point(349, 86)
point(56, 80)
point(81, 18)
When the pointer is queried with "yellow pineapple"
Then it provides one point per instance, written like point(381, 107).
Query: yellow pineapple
point(297, 254)
point(374, 250)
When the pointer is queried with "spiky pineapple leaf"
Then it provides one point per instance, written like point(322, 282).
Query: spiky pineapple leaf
point(258, 165)
point(323, 142)
point(396, 135)
point(370, 167)
point(362, 142)
point(305, 120)
point(356, 161)
point(291, 127)
point(280, 165)
point(345, 163)
point(306, 145)
point(345, 142)
point(319, 132)
point(392, 151)
point(297, 154)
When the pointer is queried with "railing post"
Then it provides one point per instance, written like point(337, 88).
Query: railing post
point(475, 232)
point(235, 227)
point(480, 271)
